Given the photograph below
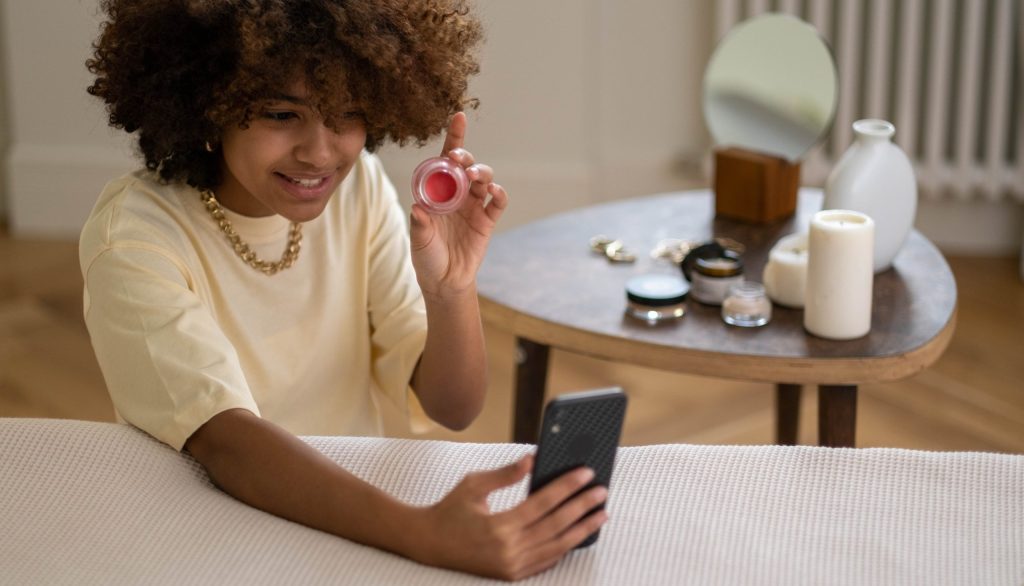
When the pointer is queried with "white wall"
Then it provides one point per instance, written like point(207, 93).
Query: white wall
point(583, 101)
point(61, 151)
point(4, 117)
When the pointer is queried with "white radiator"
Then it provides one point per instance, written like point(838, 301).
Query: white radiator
point(947, 73)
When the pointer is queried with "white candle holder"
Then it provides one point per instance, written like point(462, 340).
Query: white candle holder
point(840, 275)
point(785, 275)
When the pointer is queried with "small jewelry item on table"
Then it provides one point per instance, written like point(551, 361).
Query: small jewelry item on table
point(673, 249)
point(730, 244)
point(656, 298)
point(747, 305)
point(612, 248)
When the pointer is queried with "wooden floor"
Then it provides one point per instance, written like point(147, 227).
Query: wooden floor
point(971, 399)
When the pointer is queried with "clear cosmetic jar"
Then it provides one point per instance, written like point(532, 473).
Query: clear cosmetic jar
point(712, 277)
point(747, 305)
point(440, 185)
point(656, 298)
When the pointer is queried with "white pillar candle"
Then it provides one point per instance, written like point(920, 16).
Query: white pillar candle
point(840, 274)
point(785, 275)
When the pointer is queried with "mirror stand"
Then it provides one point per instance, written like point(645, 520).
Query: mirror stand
point(754, 187)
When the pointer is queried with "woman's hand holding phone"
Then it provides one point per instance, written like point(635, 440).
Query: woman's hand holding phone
point(460, 532)
point(580, 429)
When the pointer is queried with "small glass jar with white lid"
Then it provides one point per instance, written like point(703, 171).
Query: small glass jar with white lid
point(747, 305)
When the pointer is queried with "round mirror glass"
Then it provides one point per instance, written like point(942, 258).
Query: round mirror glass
point(771, 87)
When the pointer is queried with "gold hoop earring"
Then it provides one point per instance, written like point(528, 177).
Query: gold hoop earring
point(209, 147)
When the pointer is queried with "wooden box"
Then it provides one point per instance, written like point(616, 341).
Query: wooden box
point(754, 187)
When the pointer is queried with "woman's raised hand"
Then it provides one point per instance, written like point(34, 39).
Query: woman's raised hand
point(447, 249)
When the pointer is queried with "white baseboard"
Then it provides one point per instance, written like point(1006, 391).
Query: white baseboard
point(974, 228)
point(52, 189)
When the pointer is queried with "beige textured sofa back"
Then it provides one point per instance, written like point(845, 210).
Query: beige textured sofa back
point(92, 503)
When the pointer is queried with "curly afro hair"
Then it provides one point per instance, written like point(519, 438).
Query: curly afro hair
point(178, 72)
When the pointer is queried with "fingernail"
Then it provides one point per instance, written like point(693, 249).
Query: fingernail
point(457, 153)
point(586, 475)
point(473, 172)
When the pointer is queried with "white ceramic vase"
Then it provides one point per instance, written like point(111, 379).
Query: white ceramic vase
point(875, 177)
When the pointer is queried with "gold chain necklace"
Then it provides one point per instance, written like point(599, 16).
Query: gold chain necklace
point(291, 252)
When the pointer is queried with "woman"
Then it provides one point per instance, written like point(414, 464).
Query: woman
point(257, 120)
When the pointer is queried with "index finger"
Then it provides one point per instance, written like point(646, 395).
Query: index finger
point(552, 495)
point(481, 483)
point(455, 136)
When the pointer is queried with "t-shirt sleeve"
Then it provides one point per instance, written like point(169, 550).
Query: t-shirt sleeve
point(397, 313)
point(168, 366)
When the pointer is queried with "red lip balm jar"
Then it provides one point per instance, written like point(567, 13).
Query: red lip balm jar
point(440, 185)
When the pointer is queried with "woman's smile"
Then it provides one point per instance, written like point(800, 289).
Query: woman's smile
point(307, 186)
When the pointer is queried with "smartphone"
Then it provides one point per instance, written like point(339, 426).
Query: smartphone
point(580, 429)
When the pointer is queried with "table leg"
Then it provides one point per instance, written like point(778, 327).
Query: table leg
point(837, 415)
point(787, 413)
point(530, 383)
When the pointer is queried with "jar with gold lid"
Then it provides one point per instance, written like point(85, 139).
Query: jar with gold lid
point(712, 277)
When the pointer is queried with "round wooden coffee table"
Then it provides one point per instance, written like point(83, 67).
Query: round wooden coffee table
point(543, 283)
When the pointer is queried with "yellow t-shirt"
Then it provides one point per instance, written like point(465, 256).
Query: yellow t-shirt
point(184, 329)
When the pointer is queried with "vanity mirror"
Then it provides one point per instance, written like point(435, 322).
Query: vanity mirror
point(770, 94)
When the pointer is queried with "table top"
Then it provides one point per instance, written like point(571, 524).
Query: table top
point(542, 281)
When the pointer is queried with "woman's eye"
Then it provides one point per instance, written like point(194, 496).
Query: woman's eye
point(279, 116)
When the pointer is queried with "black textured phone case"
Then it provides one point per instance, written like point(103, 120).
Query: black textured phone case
point(580, 429)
